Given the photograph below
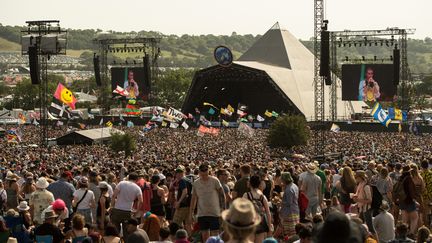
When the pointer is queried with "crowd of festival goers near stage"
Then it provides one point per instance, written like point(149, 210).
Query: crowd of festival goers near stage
point(180, 187)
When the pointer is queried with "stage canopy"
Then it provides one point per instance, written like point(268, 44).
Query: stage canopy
point(91, 136)
point(275, 74)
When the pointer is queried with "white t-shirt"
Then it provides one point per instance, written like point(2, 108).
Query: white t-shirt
point(85, 203)
point(128, 192)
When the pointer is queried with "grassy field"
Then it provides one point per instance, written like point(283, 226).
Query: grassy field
point(6, 45)
point(76, 53)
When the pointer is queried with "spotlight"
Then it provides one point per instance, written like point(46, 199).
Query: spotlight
point(223, 89)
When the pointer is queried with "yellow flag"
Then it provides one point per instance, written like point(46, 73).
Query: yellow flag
point(109, 124)
point(209, 104)
point(222, 111)
point(164, 124)
point(398, 114)
point(230, 108)
point(267, 113)
point(225, 123)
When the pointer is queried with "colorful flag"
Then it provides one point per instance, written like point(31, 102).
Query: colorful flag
point(130, 124)
point(380, 115)
point(335, 128)
point(275, 114)
point(59, 110)
point(109, 124)
point(13, 136)
point(65, 95)
point(190, 116)
point(241, 113)
point(245, 129)
point(185, 125)
point(397, 114)
point(119, 90)
point(81, 126)
point(225, 123)
point(250, 118)
point(211, 111)
point(230, 108)
point(214, 131)
point(22, 118)
point(260, 118)
point(243, 120)
point(176, 114)
point(268, 113)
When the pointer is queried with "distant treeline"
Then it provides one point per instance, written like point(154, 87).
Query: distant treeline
point(196, 50)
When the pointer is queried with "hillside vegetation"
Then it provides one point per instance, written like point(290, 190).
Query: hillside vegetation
point(196, 50)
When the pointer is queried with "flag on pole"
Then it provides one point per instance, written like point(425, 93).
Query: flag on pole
point(185, 125)
point(397, 114)
point(230, 108)
point(121, 117)
point(59, 110)
point(400, 127)
point(209, 104)
point(380, 115)
point(36, 123)
point(211, 111)
point(164, 123)
point(250, 118)
point(109, 124)
point(275, 114)
point(101, 122)
point(130, 124)
point(260, 118)
point(22, 118)
point(65, 96)
point(190, 116)
point(174, 125)
point(241, 113)
point(335, 128)
point(119, 90)
point(268, 113)
point(225, 123)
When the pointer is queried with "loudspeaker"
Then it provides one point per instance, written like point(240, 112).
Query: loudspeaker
point(34, 64)
point(325, 54)
point(97, 70)
point(396, 66)
point(147, 72)
point(328, 80)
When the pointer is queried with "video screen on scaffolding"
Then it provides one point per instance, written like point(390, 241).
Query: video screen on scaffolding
point(368, 82)
point(132, 80)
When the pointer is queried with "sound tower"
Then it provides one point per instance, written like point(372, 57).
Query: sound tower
point(147, 71)
point(34, 64)
point(325, 56)
point(396, 66)
point(97, 70)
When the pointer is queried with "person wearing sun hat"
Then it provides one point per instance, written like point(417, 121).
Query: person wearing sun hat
point(40, 200)
point(49, 228)
point(240, 220)
point(311, 185)
point(12, 189)
point(23, 210)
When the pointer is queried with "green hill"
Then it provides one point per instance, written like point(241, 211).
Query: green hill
point(6, 45)
point(197, 50)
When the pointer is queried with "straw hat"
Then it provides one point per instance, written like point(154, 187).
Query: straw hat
point(42, 183)
point(10, 176)
point(49, 213)
point(241, 215)
point(12, 240)
point(23, 206)
point(312, 168)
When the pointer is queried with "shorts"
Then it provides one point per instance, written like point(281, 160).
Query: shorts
point(181, 215)
point(411, 207)
point(208, 223)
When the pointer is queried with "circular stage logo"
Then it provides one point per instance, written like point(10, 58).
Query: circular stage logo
point(223, 55)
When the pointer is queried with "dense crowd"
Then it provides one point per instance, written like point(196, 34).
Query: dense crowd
point(180, 187)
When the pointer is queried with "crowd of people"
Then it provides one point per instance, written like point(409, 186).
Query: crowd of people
point(180, 187)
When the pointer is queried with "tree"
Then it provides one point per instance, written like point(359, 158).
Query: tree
point(288, 131)
point(172, 87)
point(123, 143)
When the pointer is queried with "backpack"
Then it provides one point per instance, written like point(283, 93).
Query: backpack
point(258, 204)
point(398, 192)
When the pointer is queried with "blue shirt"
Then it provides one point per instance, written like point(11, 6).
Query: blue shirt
point(290, 201)
point(63, 190)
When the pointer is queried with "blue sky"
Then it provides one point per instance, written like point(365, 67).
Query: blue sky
point(222, 16)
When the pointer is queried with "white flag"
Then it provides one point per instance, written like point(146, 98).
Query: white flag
point(185, 125)
point(260, 118)
point(335, 128)
point(174, 125)
point(101, 122)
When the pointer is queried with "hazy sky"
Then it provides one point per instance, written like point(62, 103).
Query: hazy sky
point(222, 16)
